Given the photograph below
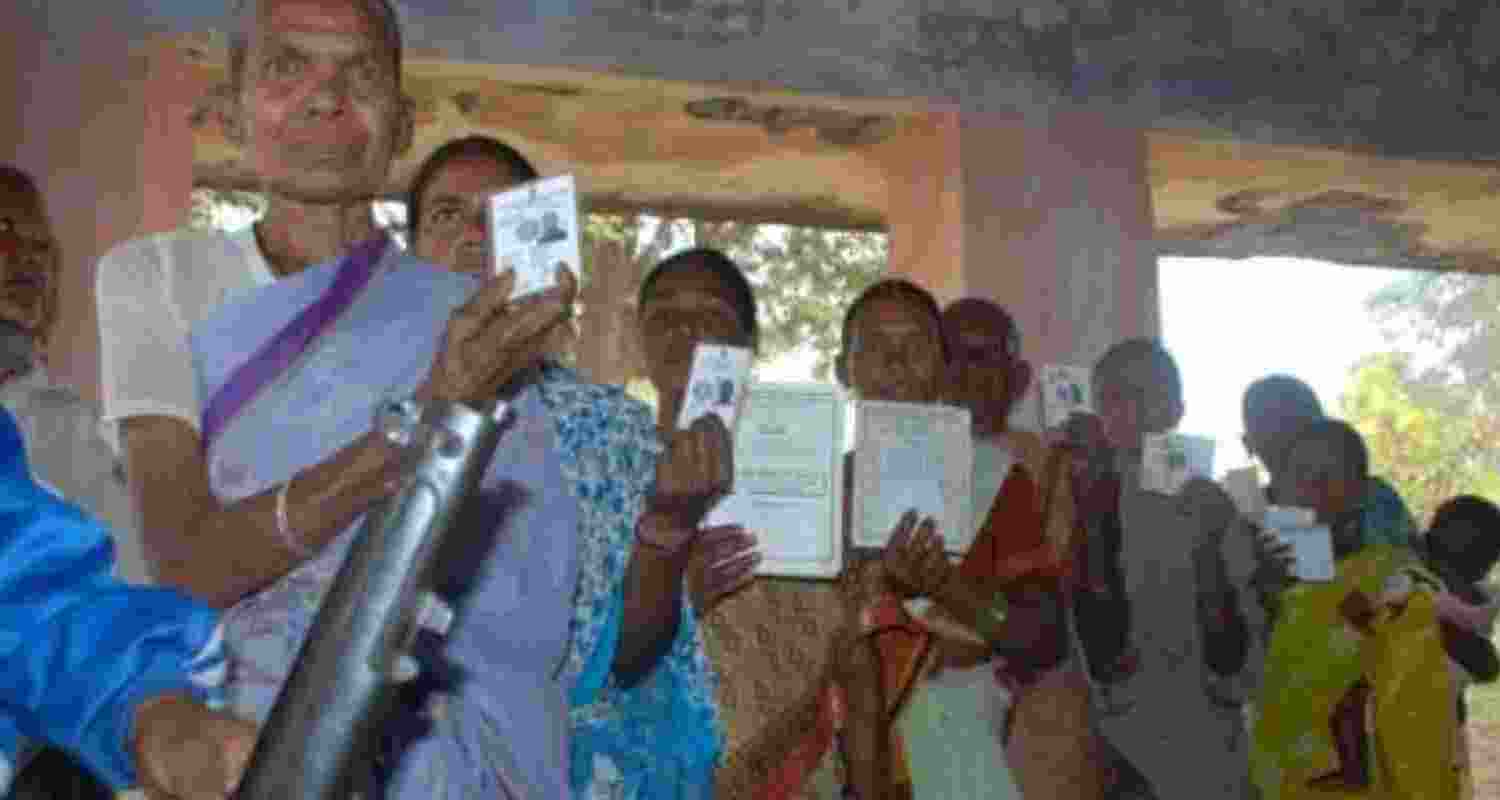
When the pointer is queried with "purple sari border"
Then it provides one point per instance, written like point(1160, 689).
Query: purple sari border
point(283, 349)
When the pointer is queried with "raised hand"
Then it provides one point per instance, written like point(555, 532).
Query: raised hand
point(490, 339)
point(722, 562)
point(695, 472)
point(185, 751)
point(1275, 561)
point(914, 561)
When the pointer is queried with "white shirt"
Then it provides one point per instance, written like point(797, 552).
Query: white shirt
point(151, 292)
point(67, 456)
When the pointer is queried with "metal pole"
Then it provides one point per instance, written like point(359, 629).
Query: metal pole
point(357, 650)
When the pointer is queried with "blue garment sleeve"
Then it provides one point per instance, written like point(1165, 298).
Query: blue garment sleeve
point(1385, 518)
point(79, 650)
point(10, 751)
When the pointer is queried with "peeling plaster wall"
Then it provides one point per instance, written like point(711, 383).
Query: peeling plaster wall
point(1409, 78)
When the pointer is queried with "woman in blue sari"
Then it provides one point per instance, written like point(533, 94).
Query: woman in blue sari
point(653, 733)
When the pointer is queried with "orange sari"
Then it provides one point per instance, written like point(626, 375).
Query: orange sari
point(1051, 747)
point(1026, 543)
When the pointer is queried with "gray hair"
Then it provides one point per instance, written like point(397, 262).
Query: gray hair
point(1146, 367)
point(243, 17)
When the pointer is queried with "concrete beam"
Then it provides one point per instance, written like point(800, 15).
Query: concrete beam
point(1394, 78)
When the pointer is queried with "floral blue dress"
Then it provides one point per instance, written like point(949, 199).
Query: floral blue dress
point(661, 739)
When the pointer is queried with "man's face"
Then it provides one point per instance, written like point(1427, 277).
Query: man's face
point(895, 353)
point(987, 376)
point(28, 260)
point(454, 228)
point(1318, 478)
point(320, 101)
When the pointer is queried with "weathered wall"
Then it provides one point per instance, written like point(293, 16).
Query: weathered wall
point(99, 125)
point(1049, 216)
point(1398, 77)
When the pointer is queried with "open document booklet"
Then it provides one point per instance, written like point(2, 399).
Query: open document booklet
point(788, 478)
point(912, 456)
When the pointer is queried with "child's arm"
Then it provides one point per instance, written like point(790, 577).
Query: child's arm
point(1474, 617)
point(1475, 653)
point(81, 653)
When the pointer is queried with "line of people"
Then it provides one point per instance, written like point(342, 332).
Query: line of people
point(1096, 640)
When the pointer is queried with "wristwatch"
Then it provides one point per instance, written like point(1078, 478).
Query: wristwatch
point(398, 421)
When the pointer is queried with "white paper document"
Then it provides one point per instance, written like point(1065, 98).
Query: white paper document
point(1065, 391)
point(788, 487)
point(534, 228)
point(911, 456)
point(716, 384)
point(1312, 544)
point(1243, 485)
point(1169, 460)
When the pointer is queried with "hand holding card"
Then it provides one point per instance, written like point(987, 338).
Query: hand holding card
point(716, 385)
point(1170, 460)
point(1312, 544)
point(1066, 390)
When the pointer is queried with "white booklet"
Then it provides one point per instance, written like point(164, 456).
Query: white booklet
point(788, 478)
point(1065, 391)
point(1312, 544)
point(534, 228)
point(1169, 460)
point(910, 456)
point(716, 384)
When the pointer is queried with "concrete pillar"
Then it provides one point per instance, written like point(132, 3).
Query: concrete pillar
point(1049, 217)
point(21, 43)
point(102, 124)
point(925, 205)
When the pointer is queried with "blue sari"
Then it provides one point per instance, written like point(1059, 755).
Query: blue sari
point(538, 599)
point(79, 649)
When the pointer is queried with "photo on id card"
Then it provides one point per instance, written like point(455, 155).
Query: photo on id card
point(534, 229)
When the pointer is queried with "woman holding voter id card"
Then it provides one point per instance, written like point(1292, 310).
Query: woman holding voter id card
point(696, 319)
point(1357, 698)
point(642, 714)
point(1161, 620)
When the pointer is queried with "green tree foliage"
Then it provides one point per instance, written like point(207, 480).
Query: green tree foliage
point(1429, 452)
point(804, 278)
point(1455, 315)
point(1432, 428)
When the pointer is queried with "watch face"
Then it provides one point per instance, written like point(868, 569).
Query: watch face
point(397, 421)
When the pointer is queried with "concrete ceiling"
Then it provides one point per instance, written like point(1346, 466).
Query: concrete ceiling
point(755, 155)
point(1399, 78)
